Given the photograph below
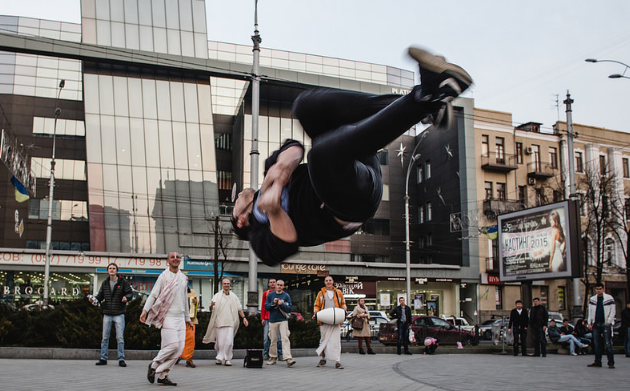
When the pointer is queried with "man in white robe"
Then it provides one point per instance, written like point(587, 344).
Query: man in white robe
point(167, 309)
point(226, 309)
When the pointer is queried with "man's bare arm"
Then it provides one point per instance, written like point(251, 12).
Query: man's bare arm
point(280, 173)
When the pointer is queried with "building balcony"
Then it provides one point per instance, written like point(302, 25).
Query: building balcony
point(541, 170)
point(492, 265)
point(498, 162)
point(493, 207)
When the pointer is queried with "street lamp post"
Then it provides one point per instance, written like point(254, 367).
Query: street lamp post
point(614, 75)
point(412, 161)
point(62, 83)
point(252, 293)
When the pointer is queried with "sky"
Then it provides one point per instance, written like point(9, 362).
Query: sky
point(523, 56)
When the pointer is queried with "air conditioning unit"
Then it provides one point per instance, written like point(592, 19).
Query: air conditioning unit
point(529, 150)
point(531, 181)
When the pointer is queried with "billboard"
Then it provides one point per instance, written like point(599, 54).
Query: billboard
point(540, 243)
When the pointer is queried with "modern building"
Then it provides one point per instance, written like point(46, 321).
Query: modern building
point(154, 130)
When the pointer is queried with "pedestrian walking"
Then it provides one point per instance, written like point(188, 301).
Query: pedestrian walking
point(364, 333)
point(167, 309)
point(279, 306)
point(601, 318)
point(330, 334)
point(224, 322)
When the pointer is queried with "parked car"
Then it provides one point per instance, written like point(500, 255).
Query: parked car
point(557, 317)
point(374, 322)
point(485, 329)
point(373, 313)
point(435, 327)
point(460, 322)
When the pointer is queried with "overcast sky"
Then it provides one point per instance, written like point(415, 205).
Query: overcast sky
point(522, 55)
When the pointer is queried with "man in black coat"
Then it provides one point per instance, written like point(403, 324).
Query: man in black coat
point(538, 318)
point(403, 315)
point(114, 294)
point(518, 327)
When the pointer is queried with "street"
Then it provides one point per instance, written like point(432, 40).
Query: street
point(376, 372)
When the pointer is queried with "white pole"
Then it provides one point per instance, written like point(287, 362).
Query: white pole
point(252, 294)
point(50, 203)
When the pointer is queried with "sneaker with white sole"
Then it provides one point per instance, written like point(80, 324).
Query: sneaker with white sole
point(441, 82)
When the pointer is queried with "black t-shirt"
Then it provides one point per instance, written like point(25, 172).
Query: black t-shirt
point(313, 223)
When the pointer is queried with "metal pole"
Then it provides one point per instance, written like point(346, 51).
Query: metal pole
point(413, 159)
point(50, 202)
point(577, 284)
point(252, 294)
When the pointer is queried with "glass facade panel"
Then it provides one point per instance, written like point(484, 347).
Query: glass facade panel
point(102, 9)
point(108, 139)
point(159, 40)
point(136, 131)
point(123, 146)
point(118, 34)
point(146, 38)
point(163, 100)
point(131, 11)
point(106, 95)
point(103, 36)
point(117, 10)
point(185, 15)
point(121, 103)
point(159, 15)
point(149, 101)
point(144, 12)
point(174, 44)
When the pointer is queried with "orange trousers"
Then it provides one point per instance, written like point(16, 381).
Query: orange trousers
point(189, 348)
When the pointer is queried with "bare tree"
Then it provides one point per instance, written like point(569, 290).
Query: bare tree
point(222, 241)
point(620, 215)
point(605, 217)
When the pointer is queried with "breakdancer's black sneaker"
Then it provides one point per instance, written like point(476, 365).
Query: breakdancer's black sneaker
point(441, 80)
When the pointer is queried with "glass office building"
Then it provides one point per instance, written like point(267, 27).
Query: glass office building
point(154, 130)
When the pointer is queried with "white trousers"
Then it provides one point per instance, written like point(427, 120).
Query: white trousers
point(329, 342)
point(283, 327)
point(225, 343)
point(173, 341)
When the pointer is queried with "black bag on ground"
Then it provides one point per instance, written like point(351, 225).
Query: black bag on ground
point(254, 358)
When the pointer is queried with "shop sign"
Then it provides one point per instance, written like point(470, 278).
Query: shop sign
point(295, 268)
point(367, 288)
point(494, 280)
point(80, 260)
point(28, 290)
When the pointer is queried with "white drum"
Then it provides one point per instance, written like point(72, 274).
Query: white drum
point(331, 315)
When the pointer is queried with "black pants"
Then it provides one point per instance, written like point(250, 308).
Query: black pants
point(540, 341)
point(403, 337)
point(347, 129)
point(519, 333)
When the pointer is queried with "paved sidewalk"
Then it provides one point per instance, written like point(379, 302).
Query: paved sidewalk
point(379, 372)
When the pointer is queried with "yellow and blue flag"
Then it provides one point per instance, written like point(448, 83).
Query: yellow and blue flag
point(21, 194)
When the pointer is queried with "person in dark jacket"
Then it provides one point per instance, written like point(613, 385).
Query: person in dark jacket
point(403, 315)
point(341, 186)
point(538, 317)
point(625, 328)
point(114, 294)
point(518, 327)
